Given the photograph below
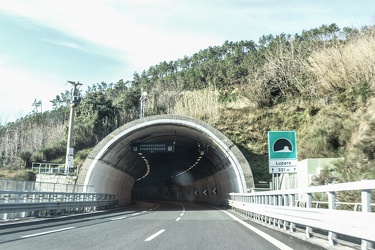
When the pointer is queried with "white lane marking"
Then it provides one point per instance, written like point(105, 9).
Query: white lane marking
point(178, 219)
point(155, 235)
point(48, 232)
point(181, 214)
point(267, 237)
point(136, 214)
point(120, 218)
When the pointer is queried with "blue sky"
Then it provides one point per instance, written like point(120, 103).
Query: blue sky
point(44, 43)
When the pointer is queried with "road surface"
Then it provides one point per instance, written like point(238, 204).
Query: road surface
point(148, 225)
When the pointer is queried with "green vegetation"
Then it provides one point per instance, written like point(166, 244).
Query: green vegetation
point(319, 83)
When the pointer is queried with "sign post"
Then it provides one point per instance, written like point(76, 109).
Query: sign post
point(282, 152)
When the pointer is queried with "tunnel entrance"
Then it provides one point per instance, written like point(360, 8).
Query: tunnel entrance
point(167, 157)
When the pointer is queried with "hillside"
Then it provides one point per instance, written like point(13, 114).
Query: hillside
point(319, 83)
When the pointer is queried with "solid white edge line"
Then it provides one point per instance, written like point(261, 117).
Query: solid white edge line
point(267, 237)
point(154, 235)
point(48, 232)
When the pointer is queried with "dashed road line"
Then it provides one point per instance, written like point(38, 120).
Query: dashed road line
point(155, 235)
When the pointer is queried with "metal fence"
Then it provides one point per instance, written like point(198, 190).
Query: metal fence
point(288, 208)
point(52, 168)
point(33, 186)
point(22, 204)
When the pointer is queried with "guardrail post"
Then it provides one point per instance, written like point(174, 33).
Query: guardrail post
point(275, 200)
point(32, 213)
point(332, 237)
point(76, 198)
point(269, 202)
point(94, 197)
point(285, 203)
point(279, 203)
point(292, 203)
point(6, 200)
point(17, 198)
point(366, 208)
point(23, 214)
point(82, 199)
point(87, 198)
point(66, 200)
point(40, 213)
point(54, 201)
point(309, 230)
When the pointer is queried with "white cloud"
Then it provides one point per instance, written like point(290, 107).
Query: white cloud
point(28, 86)
point(124, 27)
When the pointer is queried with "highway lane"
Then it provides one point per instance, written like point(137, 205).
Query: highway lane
point(148, 225)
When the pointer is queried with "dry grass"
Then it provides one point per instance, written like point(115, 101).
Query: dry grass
point(200, 104)
point(13, 174)
point(341, 67)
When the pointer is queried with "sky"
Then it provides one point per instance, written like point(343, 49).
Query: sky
point(45, 43)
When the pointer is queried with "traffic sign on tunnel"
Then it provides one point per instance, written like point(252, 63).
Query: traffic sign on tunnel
point(153, 147)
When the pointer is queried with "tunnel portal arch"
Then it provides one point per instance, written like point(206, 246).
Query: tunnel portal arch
point(204, 165)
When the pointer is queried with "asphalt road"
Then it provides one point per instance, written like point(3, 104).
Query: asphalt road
point(148, 225)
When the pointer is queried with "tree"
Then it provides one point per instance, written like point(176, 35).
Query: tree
point(36, 105)
point(96, 117)
point(25, 156)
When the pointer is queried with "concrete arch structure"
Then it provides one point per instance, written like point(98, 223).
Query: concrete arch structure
point(203, 166)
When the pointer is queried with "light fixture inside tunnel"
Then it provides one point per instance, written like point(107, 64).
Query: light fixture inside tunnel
point(201, 150)
point(147, 165)
point(190, 167)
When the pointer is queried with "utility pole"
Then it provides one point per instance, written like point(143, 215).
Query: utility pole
point(142, 102)
point(76, 99)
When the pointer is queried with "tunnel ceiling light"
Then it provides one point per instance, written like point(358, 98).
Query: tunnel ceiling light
point(192, 166)
point(147, 167)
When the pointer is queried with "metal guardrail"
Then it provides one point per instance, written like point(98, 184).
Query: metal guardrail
point(21, 204)
point(52, 168)
point(281, 209)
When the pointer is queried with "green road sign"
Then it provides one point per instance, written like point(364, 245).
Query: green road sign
point(282, 145)
point(282, 152)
